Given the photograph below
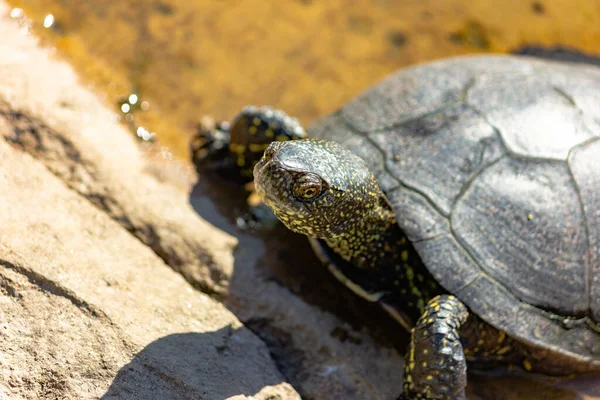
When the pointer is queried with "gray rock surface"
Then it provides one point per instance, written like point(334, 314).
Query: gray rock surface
point(86, 306)
point(69, 129)
point(88, 309)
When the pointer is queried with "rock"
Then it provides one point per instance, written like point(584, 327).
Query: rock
point(89, 307)
point(47, 113)
point(86, 306)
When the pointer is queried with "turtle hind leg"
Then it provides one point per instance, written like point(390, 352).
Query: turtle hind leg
point(435, 362)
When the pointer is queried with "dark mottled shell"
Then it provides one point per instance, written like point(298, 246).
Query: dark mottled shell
point(492, 165)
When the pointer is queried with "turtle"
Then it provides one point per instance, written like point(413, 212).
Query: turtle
point(463, 195)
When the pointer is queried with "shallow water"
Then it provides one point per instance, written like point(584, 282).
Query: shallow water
point(188, 59)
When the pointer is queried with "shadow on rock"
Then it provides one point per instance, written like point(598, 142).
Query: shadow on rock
point(282, 257)
point(276, 279)
point(209, 365)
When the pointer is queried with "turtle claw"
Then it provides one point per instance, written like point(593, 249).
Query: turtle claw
point(210, 145)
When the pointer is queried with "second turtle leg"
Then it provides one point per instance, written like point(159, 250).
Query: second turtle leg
point(435, 363)
point(239, 145)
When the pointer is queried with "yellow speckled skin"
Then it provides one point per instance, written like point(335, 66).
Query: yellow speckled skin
point(349, 212)
point(238, 146)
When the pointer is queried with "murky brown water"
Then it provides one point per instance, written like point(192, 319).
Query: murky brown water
point(191, 58)
point(186, 59)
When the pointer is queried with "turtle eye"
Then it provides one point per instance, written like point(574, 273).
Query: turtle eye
point(307, 187)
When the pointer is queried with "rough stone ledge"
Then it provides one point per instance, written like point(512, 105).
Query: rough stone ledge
point(89, 311)
point(46, 112)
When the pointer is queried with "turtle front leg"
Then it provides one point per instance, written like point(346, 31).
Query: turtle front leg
point(232, 149)
point(435, 362)
point(237, 146)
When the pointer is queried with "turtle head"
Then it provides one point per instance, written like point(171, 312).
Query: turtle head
point(316, 187)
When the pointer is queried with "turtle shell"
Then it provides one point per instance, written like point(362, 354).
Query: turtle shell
point(492, 166)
